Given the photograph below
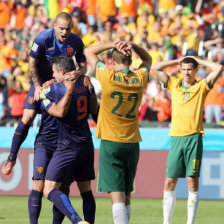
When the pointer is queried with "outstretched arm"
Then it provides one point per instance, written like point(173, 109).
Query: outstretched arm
point(158, 69)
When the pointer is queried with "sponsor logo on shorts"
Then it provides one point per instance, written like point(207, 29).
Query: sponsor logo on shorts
point(31, 100)
point(40, 169)
point(70, 51)
point(166, 170)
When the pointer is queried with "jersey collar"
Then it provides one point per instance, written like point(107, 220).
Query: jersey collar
point(125, 71)
point(185, 87)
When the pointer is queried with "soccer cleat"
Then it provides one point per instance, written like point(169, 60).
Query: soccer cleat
point(8, 165)
point(83, 222)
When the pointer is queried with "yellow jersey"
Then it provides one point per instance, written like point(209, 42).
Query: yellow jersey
point(187, 106)
point(121, 97)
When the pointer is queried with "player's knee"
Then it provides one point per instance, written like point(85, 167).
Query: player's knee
point(47, 188)
point(170, 184)
point(84, 186)
point(193, 183)
point(38, 185)
point(28, 116)
point(46, 191)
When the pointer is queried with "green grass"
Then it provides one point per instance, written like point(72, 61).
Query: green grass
point(13, 210)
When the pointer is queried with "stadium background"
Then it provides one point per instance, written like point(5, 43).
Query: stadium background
point(151, 169)
point(167, 29)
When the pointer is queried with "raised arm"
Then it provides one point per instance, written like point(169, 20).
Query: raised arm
point(158, 69)
point(216, 70)
point(208, 44)
point(61, 108)
point(35, 77)
point(92, 52)
point(143, 54)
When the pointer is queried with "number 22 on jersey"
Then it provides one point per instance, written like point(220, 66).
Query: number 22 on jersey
point(133, 97)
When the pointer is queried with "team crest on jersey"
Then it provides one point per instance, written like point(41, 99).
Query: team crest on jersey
point(194, 87)
point(101, 66)
point(34, 47)
point(70, 51)
point(31, 100)
point(44, 92)
point(46, 102)
point(40, 169)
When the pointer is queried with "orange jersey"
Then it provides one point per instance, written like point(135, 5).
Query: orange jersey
point(165, 105)
point(128, 8)
point(5, 14)
point(7, 52)
point(106, 8)
point(91, 7)
point(20, 18)
point(215, 97)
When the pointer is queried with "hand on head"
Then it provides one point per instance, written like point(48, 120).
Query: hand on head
point(69, 84)
point(124, 47)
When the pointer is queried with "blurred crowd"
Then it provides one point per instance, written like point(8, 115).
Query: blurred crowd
point(167, 29)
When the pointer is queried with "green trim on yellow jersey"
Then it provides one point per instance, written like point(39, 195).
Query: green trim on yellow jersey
point(182, 85)
point(120, 100)
point(94, 72)
point(125, 71)
point(208, 85)
point(166, 84)
point(187, 107)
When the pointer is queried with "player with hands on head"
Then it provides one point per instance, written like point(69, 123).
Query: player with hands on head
point(117, 124)
point(186, 130)
point(47, 45)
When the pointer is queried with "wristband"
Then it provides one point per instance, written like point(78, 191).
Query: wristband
point(92, 91)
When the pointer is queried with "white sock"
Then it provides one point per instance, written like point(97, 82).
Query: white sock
point(192, 205)
point(128, 209)
point(169, 202)
point(119, 213)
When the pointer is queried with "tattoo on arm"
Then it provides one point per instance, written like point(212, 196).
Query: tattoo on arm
point(34, 72)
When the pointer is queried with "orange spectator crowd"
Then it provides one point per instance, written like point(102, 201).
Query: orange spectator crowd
point(167, 30)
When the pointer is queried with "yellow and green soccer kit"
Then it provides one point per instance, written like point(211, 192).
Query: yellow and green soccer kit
point(117, 126)
point(120, 100)
point(186, 127)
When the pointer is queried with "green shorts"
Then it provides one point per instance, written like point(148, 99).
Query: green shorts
point(117, 166)
point(185, 156)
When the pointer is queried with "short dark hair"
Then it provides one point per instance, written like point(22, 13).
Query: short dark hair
point(121, 58)
point(64, 62)
point(64, 15)
point(189, 60)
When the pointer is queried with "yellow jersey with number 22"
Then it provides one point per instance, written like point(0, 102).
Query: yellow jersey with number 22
point(120, 100)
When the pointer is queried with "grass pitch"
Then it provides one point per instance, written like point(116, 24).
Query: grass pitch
point(13, 210)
